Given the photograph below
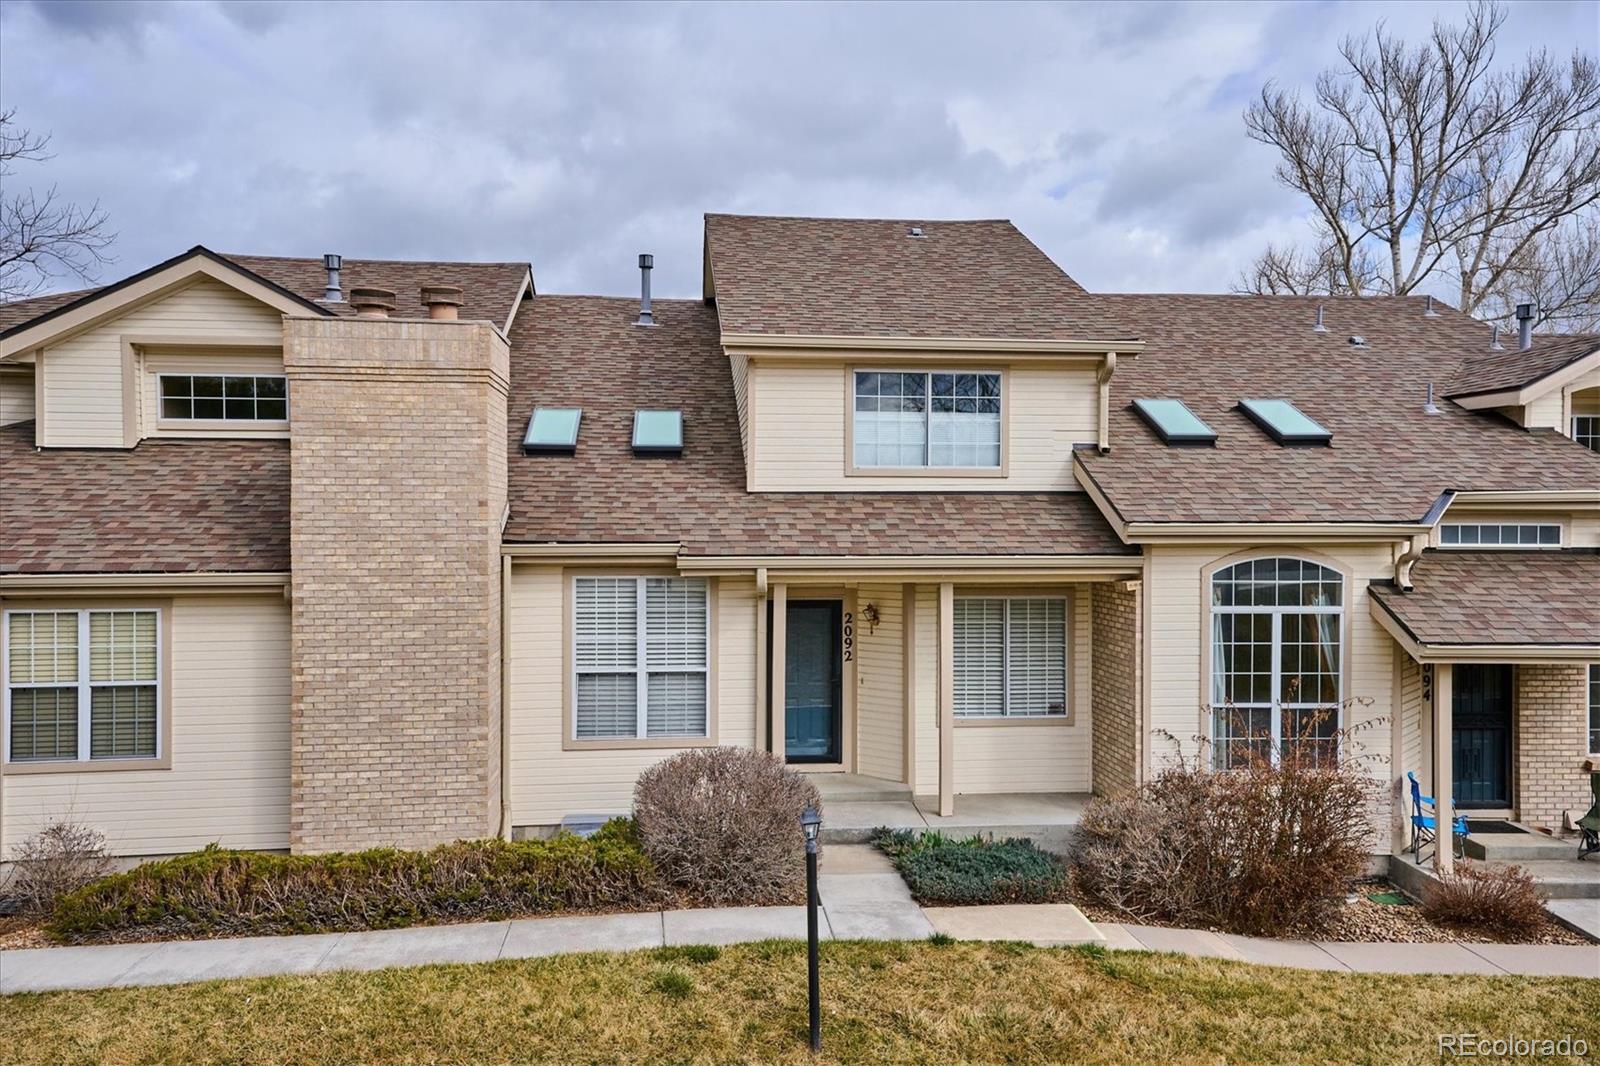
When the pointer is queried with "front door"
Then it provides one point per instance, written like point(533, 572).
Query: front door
point(813, 679)
point(1481, 742)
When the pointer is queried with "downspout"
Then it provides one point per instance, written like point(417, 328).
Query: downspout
point(505, 697)
point(1103, 378)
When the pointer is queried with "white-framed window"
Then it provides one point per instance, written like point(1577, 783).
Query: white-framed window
point(82, 685)
point(224, 397)
point(937, 419)
point(641, 649)
point(1594, 708)
point(1586, 431)
point(1500, 535)
point(1277, 653)
point(1010, 656)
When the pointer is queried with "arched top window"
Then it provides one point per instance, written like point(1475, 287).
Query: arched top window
point(1277, 654)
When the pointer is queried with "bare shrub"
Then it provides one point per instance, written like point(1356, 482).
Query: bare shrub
point(1267, 846)
point(61, 857)
point(723, 825)
point(1495, 899)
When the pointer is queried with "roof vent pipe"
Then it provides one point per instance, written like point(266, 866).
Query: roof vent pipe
point(1429, 407)
point(1494, 340)
point(372, 303)
point(1428, 311)
point(1525, 326)
point(442, 301)
point(1319, 327)
point(646, 263)
point(334, 263)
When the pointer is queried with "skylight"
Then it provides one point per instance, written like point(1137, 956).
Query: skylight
point(1174, 423)
point(1285, 422)
point(552, 430)
point(657, 432)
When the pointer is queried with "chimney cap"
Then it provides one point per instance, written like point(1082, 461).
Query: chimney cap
point(646, 260)
point(1525, 311)
point(442, 294)
point(331, 261)
point(372, 302)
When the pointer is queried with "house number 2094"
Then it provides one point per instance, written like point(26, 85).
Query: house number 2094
point(849, 636)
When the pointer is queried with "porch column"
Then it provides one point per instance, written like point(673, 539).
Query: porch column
point(947, 700)
point(1443, 770)
point(780, 641)
point(763, 740)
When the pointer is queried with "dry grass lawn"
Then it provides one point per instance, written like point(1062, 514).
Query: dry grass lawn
point(895, 1003)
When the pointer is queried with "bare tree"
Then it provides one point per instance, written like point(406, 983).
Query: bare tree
point(42, 236)
point(1429, 162)
point(1559, 273)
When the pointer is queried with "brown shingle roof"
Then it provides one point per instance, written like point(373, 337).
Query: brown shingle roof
point(489, 289)
point(166, 506)
point(1510, 597)
point(1388, 460)
point(585, 352)
point(1490, 371)
point(822, 276)
point(21, 310)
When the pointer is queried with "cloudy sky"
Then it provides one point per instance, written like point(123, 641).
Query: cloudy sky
point(575, 136)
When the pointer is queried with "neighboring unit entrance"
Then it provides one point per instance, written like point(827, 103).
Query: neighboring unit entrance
point(1481, 740)
point(813, 685)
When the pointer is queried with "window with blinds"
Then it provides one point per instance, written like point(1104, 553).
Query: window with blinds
point(82, 685)
point(641, 653)
point(1010, 657)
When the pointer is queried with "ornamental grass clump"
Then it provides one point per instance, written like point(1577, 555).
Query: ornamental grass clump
point(1268, 846)
point(217, 892)
point(722, 826)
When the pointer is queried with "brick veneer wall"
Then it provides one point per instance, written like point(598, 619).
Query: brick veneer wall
point(398, 490)
point(1552, 739)
point(1117, 685)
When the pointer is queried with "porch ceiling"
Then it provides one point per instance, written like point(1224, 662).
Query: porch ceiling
point(1505, 606)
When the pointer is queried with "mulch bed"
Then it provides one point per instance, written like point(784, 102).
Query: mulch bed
point(1366, 921)
point(18, 932)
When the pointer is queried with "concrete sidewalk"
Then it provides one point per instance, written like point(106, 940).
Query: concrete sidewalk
point(863, 898)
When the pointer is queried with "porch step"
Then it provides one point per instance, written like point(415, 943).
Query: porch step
point(1563, 878)
point(1518, 846)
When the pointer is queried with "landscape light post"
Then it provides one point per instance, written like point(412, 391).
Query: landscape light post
point(811, 824)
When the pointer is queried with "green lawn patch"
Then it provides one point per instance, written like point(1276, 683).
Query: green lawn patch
point(882, 1003)
point(946, 871)
point(216, 892)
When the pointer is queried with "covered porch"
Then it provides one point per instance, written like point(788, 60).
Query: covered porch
point(962, 694)
point(1495, 693)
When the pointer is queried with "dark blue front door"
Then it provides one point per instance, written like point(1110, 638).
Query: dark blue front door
point(812, 681)
point(1480, 712)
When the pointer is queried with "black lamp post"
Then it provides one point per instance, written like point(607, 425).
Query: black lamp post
point(811, 824)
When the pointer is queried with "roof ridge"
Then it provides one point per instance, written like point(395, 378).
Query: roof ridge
point(387, 262)
point(924, 220)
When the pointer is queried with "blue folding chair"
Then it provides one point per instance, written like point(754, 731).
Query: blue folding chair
point(1425, 821)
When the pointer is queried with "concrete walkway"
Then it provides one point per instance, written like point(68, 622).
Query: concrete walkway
point(863, 898)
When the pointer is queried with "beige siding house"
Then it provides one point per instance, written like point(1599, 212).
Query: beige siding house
point(314, 554)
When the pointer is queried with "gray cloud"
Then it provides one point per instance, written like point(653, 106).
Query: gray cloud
point(575, 136)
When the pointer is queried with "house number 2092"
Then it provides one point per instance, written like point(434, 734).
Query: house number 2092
point(849, 636)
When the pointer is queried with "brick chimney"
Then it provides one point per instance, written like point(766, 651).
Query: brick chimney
point(398, 487)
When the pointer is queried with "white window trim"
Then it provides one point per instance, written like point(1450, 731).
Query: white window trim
point(1006, 713)
point(1275, 705)
point(1573, 426)
point(84, 686)
point(641, 668)
point(927, 466)
point(1519, 546)
point(162, 418)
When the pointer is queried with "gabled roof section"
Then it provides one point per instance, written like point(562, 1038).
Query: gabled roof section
point(827, 277)
point(1388, 461)
point(1513, 370)
point(99, 304)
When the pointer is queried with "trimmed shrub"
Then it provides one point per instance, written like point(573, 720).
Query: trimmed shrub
point(215, 892)
point(1494, 899)
point(722, 825)
point(941, 870)
point(60, 858)
point(1258, 850)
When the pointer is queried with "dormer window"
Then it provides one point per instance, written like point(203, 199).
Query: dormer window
point(224, 398)
point(552, 431)
point(926, 419)
point(1284, 422)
